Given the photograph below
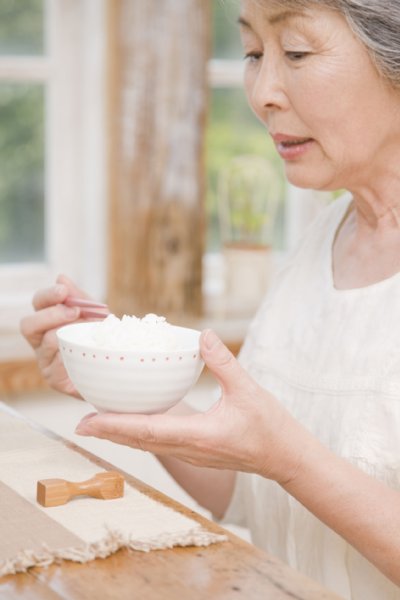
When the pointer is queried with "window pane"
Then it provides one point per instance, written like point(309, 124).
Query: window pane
point(226, 38)
point(21, 173)
point(21, 27)
point(234, 131)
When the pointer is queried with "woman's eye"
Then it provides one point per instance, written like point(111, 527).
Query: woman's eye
point(253, 56)
point(296, 56)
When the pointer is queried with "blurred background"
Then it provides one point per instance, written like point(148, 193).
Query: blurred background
point(124, 130)
point(130, 161)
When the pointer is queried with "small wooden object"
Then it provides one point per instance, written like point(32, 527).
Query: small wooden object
point(106, 486)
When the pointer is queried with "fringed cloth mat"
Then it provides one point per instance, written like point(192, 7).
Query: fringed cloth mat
point(84, 528)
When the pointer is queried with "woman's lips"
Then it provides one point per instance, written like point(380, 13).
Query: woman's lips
point(291, 147)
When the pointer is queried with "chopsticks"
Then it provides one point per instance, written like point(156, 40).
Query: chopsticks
point(89, 309)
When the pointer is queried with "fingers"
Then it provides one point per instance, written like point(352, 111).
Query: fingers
point(88, 416)
point(50, 312)
point(39, 329)
point(58, 379)
point(146, 432)
point(73, 290)
point(50, 296)
point(186, 438)
point(221, 362)
point(33, 327)
point(56, 294)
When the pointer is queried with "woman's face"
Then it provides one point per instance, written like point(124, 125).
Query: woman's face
point(334, 120)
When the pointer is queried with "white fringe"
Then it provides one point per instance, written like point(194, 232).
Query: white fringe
point(111, 543)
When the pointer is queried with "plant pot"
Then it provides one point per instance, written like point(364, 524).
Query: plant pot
point(247, 273)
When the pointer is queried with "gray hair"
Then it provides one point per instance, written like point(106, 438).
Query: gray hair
point(376, 23)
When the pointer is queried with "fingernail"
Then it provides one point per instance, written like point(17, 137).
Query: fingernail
point(59, 289)
point(81, 429)
point(211, 339)
point(71, 312)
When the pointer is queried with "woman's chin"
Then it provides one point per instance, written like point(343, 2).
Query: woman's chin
point(311, 180)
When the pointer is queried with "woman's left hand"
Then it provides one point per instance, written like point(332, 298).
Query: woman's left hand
point(246, 430)
point(249, 430)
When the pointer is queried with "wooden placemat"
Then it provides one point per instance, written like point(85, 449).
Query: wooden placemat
point(84, 528)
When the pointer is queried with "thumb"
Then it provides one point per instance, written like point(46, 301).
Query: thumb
point(221, 362)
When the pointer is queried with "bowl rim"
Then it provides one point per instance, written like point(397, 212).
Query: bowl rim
point(128, 352)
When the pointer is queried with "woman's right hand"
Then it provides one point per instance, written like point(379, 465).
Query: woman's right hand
point(39, 329)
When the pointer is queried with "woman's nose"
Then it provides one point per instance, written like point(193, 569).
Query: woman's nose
point(268, 89)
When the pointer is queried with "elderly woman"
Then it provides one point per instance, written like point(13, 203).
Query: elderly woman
point(303, 445)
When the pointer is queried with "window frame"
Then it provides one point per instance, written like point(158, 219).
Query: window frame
point(222, 73)
point(76, 156)
point(75, 174)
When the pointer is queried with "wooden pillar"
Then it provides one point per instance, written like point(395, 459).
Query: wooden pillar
point(158, 53)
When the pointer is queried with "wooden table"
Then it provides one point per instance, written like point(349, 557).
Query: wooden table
point(228, 570)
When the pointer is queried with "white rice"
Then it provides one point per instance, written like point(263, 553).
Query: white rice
point(132, 333)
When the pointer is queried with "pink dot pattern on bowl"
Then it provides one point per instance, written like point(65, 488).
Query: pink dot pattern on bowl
point(122, 358)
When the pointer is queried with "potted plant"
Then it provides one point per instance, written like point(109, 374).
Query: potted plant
point(249, 193)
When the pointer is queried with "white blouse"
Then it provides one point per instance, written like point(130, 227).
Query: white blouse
point(333, 358)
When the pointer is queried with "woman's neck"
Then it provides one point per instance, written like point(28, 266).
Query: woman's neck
point(373, 213)
point(366, 248)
